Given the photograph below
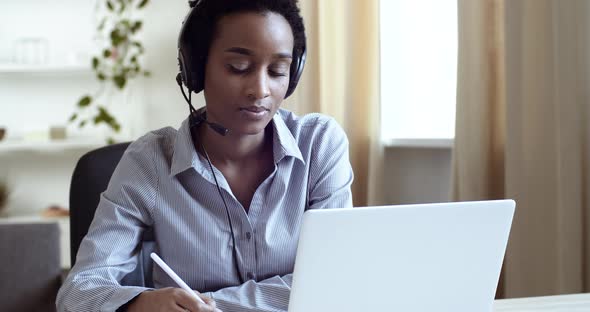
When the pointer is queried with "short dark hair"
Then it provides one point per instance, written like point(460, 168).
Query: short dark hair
point(203, 26)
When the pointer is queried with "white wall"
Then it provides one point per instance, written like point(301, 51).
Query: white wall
point(37, 180)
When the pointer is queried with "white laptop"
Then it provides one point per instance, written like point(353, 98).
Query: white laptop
point(427, 257)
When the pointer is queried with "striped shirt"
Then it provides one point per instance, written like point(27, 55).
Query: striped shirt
point(163, 183)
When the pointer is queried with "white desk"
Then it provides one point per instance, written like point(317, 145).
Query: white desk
point(562, 303)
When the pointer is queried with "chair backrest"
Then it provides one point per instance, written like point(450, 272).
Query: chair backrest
point(90, 178)
point(30, 266)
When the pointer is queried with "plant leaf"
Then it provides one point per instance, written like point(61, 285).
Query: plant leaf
point(147, 73)
point(95, 62)
point(101, 76)
point(102, 23)
point(106, 53)
point(85, 101)
point(82, 124)
point(120, 81)
point(117, 37)
point(122, 6)
point(110, 6)
point(73, 117)
point(136, 26)
point(115, 125)
point(138, 45)
point(105, 117)
point(142, 4)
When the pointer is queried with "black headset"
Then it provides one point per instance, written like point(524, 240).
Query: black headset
point(192, 52)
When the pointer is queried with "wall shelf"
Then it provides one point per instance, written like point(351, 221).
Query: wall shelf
point(7, 146)
point(44, 69)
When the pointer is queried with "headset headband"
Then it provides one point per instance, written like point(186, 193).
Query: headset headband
point(192, 54)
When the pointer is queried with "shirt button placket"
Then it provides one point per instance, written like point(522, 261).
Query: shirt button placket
point(251, 258)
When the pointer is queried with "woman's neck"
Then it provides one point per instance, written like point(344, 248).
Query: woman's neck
point(234, 148)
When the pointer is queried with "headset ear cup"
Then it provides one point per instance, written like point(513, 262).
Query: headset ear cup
point(296, 72)
point(198, 74)
point(183, 69)
point(190, 63)
point(192, 74)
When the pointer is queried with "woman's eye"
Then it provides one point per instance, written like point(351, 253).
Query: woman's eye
point(281, 70)
point(238, 68)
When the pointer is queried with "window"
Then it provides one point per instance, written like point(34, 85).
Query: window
point(418, 70)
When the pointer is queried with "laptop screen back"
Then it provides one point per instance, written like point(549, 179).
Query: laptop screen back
point(428, 257)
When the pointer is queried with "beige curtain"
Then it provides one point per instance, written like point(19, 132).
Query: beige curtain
point(341, 79)
point(522, 132)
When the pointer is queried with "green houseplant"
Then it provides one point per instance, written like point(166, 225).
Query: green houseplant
point(117, 63)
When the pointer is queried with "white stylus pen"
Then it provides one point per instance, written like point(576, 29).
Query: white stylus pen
point(173, 275)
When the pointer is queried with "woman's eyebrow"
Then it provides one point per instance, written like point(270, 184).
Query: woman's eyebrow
point(247, 52)
point(239, 50)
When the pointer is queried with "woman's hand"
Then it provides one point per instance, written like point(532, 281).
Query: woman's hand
point(171, 299)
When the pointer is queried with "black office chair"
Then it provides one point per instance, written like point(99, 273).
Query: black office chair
point(90, 178)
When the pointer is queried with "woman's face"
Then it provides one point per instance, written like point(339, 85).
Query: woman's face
point(247, 71)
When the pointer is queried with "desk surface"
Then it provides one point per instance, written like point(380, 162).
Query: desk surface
point(562, 303)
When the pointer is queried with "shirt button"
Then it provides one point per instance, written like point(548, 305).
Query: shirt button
point(248, 235)
point(250, 275)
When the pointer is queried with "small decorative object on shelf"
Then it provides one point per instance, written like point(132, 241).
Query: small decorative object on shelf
point(57, 133)
point(118, 62)
point(55, 211)
point(4, 193)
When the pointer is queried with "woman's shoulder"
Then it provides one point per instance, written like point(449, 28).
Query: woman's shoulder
point(310, 122)
point(311, 125)
point(155, 143)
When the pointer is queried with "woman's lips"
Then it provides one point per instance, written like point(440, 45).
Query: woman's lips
point(254, 112)
point(255, 109)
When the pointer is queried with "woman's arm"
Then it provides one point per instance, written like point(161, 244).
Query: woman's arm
point(109, 250)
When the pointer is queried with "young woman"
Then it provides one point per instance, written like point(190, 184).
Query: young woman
point(225, 193)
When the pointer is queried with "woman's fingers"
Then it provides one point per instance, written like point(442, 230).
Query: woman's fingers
point(190, 303)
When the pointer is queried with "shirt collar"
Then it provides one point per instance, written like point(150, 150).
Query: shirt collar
point(284, 143)
point(185, 156)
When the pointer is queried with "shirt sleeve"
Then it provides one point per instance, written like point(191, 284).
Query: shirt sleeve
point(109, 250)
point(268, 295)
point(330, 172)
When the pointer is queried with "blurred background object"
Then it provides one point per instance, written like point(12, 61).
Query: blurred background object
point(55, 211)
point(29, 266)
point(30, 51)
point(57, 133)
point(4, 193)
point(118, 61)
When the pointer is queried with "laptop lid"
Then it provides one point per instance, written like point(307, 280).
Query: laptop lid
point(427, 257)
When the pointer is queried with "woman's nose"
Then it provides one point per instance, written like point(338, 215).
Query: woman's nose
point(258, 87)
